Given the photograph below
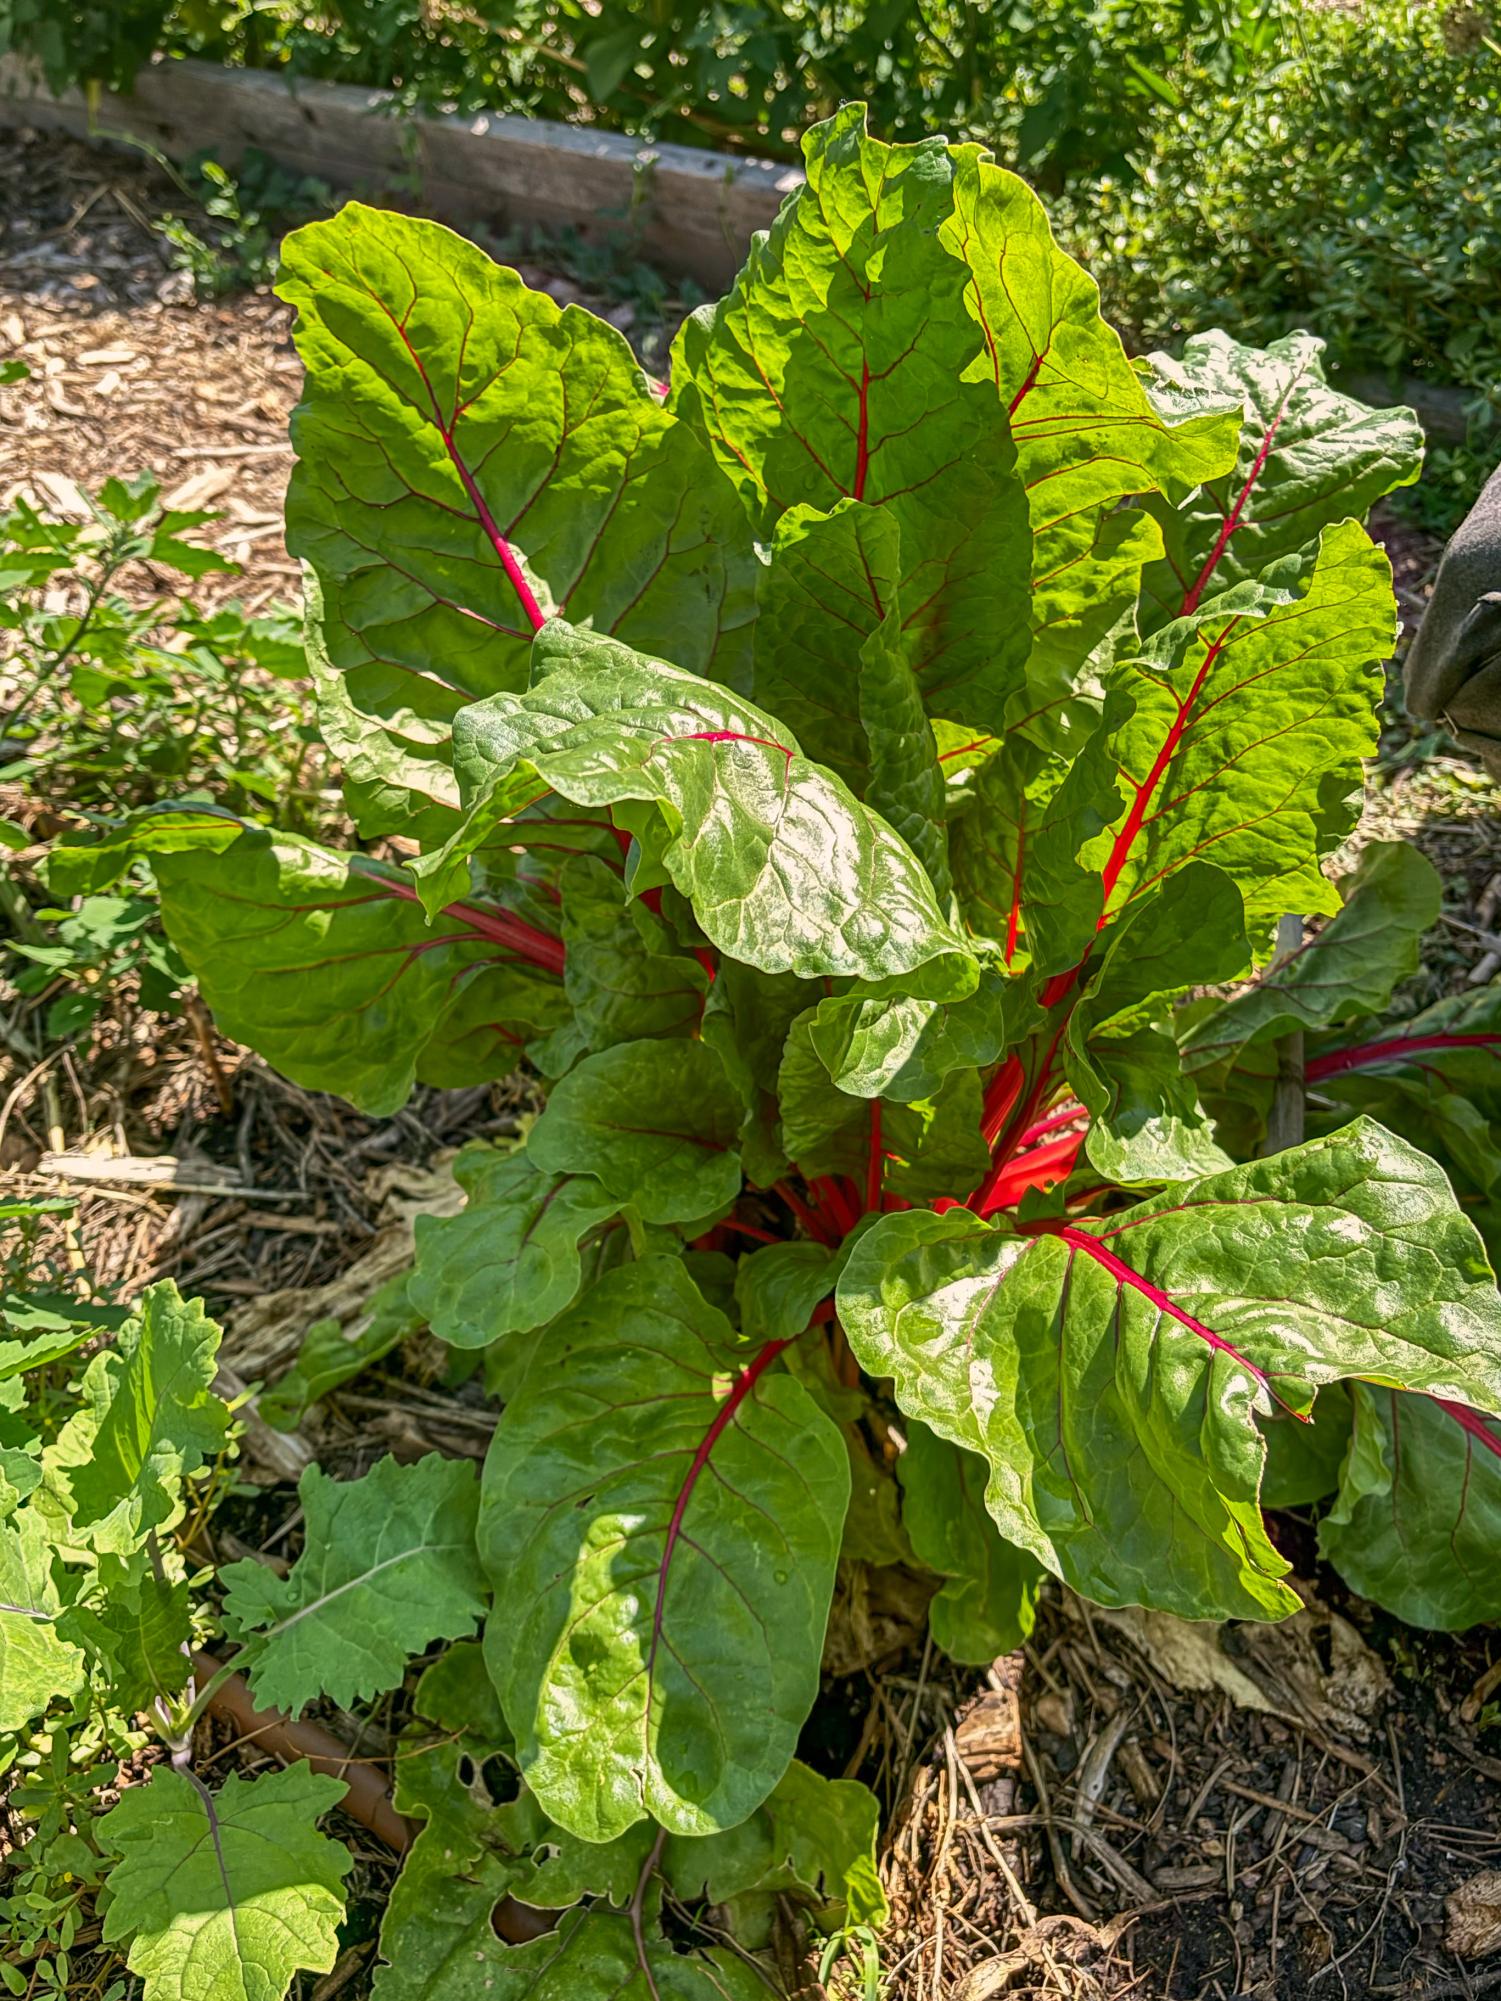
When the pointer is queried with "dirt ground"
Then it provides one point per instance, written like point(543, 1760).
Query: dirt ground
point(1129, 1807)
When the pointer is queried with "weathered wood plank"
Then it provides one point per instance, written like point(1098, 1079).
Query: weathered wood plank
point(691, 213)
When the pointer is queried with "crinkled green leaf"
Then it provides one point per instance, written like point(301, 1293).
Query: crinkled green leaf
point(1309, 457)
point(1303, 1461)
point(327, 965)
point(37, 1666)
point(472, 458)
point(747, 1018)
point(225, 1896)
point(1417, 1523)
point(1346, 970)
point(510, 1260)
point(1110, 1372)
point(624, 978)
point(135, 1631)
point(651, 1123)
point(1250, 724)
point(335, 1351)
point(661, 1515)
point(783, 866)
point(834, 662)
point(988, 1601)
point(150, 1417)
point(1086, 433)
point(835, 369)
point(388, 1565)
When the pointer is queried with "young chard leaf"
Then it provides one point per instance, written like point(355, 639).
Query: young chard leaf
point(510, 1260)
point(784, 868)
point(388, 1566)
point(1417, 1522)
point(661, 1511)
point(225, 1896)
point(987, 1603)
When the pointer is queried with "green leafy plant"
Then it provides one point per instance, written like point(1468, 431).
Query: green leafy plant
point(842, 781)
point(114, 695)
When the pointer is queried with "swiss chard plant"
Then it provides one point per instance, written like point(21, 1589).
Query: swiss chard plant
point(861, 784)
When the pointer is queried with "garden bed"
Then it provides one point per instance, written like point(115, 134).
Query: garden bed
point(1294, 1828)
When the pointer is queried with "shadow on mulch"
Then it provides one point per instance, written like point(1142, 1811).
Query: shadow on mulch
point(1086, 1824)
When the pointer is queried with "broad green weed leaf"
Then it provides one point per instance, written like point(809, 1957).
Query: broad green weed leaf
point(150, 1417)
point(649, 1123)
point(225, 1896)
point(784, 868)
point(661, 1513)
point(1251, 720)
point(987, 1603)
point(1085, 431)
point(835, 370)
point(510, 1260)
point(1417, 1523)
point(37, 1666)
point(1110, 1372)
point(1309, 457)
point(471, 460)
point(388, 1566)
point(135, 1632)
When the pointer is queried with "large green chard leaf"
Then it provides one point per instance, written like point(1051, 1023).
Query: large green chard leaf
point(653, 1123)
point(1417, 1523)
point(785, 869)
point(36, 1666)
point(149, 1418)
point(225, 1896)
point(1308, 457)
point(988, 1601)
point(661, 1513)
point(1345, 971)
point(326, 963)
point(472, 459)
point(833, 589)
point(1085, 430)
point(1250, 724)
point(835, 370)
point(388, 1566)
point(510, 1260)
point(1110, 1373)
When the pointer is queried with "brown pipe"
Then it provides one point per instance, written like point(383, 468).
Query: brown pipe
point(368, 1799)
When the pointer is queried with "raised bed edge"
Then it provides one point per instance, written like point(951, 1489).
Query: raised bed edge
point(690, 213)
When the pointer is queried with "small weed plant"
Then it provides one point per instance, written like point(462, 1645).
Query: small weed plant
point(866, 787)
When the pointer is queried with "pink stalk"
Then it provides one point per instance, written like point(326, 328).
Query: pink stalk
point(1393, 1049)
point(1472, 1422)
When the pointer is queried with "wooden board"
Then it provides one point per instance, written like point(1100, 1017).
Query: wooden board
point(690, 213)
